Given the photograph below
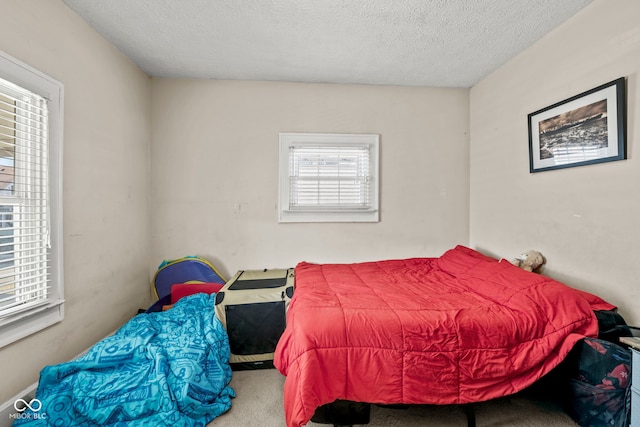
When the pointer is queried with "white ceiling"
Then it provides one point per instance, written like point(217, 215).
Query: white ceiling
point(448, 43)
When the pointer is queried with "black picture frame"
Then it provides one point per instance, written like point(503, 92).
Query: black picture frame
point(582, 130)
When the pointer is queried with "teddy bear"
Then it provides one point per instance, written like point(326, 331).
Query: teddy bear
point(530, 261)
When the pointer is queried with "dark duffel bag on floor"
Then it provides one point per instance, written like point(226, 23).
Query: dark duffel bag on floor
point(599, 384)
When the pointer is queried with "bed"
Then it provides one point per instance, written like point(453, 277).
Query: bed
point(456, 329)
point(159, 369)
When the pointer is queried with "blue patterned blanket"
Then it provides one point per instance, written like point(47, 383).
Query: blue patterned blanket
point(165, 368)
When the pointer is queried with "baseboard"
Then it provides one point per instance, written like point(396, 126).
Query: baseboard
point(7, 409)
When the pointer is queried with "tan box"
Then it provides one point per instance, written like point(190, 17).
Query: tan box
point(252, 307)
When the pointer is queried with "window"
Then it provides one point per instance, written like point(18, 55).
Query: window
point(31, 291)
point(328, 177)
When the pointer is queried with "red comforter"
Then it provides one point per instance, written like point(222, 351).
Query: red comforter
point(456, 329)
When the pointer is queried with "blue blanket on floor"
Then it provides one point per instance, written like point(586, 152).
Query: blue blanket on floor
point(160, 369)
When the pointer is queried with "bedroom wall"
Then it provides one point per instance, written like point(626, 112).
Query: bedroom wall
point(584, 219)
point(106, 182)
point(214, 171)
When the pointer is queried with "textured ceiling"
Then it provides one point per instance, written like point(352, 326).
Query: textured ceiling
point(448, 43)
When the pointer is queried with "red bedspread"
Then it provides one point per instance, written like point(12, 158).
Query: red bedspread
point(456, 329)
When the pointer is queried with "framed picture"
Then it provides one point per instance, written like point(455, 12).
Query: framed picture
point(582, 130)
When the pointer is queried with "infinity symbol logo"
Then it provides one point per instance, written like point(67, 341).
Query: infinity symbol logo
point(35, 405)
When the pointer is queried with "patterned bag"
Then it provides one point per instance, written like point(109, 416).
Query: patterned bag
point(599, 385)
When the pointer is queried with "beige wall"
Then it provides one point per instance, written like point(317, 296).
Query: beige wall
point(106, 182)
point(584, 219)
point(214, 163)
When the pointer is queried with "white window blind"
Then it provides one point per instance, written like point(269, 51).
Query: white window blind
point(23, 199)
point(30, 276)
point(328, 177)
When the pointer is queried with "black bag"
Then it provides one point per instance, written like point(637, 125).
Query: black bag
point(611, 326)
point(599, 384)
point(343, 413)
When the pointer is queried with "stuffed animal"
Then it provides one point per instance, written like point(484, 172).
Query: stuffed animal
point(530, 261)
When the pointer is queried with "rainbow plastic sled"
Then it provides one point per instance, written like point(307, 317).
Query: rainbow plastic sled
point(189, 269)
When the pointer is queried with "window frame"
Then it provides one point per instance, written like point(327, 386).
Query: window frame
point(20, 324)
point(333, 214)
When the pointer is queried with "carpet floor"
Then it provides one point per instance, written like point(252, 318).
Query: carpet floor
point(259, 403)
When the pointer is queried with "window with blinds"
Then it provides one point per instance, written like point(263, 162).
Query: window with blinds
point(328, 177)
point(30, 276)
